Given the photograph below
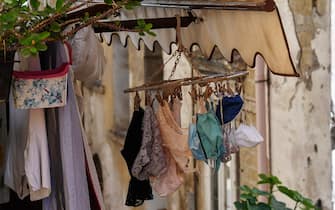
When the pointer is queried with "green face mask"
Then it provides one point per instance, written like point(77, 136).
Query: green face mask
point(211, 136)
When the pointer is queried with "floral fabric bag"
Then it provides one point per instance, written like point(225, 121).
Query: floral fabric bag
point(41, 89)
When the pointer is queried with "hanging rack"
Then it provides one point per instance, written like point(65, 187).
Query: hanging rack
point(187, 81)
point(166, 84)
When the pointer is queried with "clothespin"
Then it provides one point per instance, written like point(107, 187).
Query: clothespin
point(159, 99)
point(193, 95)
point(137, 101)
point(178, 93)
point(230, 91)
point(208, 92)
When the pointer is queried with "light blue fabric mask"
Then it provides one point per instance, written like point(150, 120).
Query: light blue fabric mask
point(195, 144)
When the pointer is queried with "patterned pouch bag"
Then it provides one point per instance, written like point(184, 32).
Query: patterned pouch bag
point(41, 89)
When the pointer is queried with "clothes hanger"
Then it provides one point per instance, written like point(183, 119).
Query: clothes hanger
point(200, 80)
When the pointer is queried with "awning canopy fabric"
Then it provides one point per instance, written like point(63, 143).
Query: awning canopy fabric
point(248, 32)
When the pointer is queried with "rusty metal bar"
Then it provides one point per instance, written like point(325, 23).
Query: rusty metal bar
point(267, 5)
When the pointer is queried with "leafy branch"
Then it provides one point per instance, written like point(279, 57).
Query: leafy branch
point(27, 26)
point(249, 198)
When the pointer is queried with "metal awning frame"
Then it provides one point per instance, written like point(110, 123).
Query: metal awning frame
point(268, 5)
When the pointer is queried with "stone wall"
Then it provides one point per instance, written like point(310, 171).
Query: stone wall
point(300, 107)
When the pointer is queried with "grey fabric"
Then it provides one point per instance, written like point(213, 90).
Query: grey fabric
point(56, 199)
point(68, 171)
point(72, 155)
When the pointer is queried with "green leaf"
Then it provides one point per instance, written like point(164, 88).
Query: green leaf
point(141, 22)
point(35, 4)
point(108, 1)
point(132, 4)
point(33, 50)
point(43, 35)
point(148, 26)
point(286, 191)
point(151, 33)
point(55, 27)
point(272, 180)
point(48, 9)
point(27, 41)
point(278, 205)
point(59, 4)
point(240, 205)
point(294, 195)
point(262, 206)
point(40, 46)
point(248, 197)
point(245, 188)
point(308, 203)
point(257, 192)
point(263, 176)
point(25, 52)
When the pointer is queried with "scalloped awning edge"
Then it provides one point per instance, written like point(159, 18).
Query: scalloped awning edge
point(248, 32)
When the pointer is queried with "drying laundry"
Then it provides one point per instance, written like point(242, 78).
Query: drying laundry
point(138, 190)
point(151, 159)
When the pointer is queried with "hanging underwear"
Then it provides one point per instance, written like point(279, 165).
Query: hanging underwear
point(170, 180)
point(175, 139)
point(151, 159)
point(138, 190)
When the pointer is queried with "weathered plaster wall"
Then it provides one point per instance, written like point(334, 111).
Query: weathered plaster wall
point(248, 156)
point(105, 129)
point(300, 107)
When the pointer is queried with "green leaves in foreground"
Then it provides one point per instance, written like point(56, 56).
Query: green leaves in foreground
point(249, 198)
point(143, 28)
point(34, 43)
point(26, 25)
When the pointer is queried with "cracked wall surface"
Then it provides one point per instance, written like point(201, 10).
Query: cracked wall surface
point(300, 107)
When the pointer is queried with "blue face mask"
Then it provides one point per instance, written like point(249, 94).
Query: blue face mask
point(211, 136)
point(195, 144)
point(229, 107)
